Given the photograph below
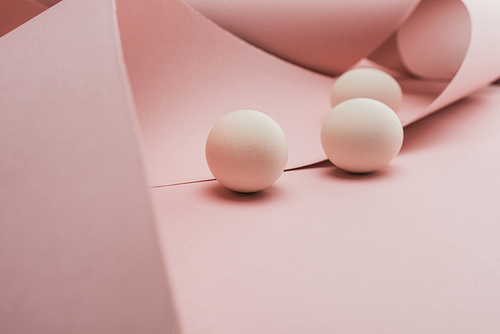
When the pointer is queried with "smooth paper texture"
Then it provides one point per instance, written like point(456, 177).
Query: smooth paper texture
point(78, 248)
point(326, 36)
point(433, 41)
point(13, 13)
point(186, 73)
point(480, 64)
point(412, 248)
point(48, 3)
point(178, 105)
point(387, 55)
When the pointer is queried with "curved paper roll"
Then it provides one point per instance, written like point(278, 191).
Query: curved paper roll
point(480, 65)
point(192, 73)
point(78, 244)
point(388, 55)
point(48, 2)
point(433, 41)
point(186, 73)
point(325, 36)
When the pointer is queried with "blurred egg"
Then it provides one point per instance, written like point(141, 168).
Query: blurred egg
point(246, 151)
point(369, 83)
point(361, 135)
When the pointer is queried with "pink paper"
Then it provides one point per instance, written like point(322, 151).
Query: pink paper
point(48, 3)
point(326, 36)
point(388, 56)
point(480, 65)
point(412, 248)
point(78, 248)
point(177, 104)
point(13, 13)
point(78, 241)
point(434, 40)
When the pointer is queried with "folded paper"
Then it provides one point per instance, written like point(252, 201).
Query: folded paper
point(326, 36)
point(177, 105)
point(95, 94)
point(186, 72)
point(410, 249)
point(78, 248)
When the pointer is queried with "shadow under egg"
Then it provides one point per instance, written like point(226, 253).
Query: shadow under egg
point(217, 191)
point(341, 174)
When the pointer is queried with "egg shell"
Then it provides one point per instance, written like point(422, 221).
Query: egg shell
point(361, 135)
point(369, 83)
point(246, 151)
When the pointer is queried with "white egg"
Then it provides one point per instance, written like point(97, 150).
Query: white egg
point(361, 135)
point(246, 151)
point(367, 82)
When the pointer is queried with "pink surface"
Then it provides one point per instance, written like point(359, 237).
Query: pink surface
point(410, 249)
point(388, 55)
point(13, 13)
point(47, 3)
point(186, 73)
point(78, 248)
point(433, 41)
point(480, 65)
point(78, 244)
point(178, 105)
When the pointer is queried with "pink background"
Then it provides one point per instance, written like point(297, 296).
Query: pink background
point(110, 221)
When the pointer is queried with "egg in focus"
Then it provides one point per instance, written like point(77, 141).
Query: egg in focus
point(361, 135)
point(246, 151)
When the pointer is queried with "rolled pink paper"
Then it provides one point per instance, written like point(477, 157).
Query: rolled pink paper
point(433, 41)
point(325, 36)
